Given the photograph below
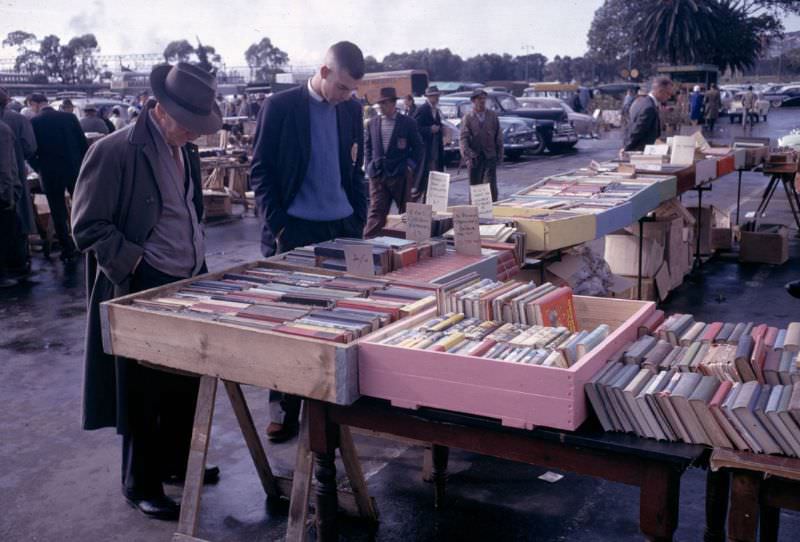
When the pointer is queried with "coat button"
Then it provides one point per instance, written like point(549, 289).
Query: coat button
point(149, 200)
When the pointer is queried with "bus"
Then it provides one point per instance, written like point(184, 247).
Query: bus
point(404, 82)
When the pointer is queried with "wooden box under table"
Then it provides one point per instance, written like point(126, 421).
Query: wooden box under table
point(518, 395)
point(307, 367)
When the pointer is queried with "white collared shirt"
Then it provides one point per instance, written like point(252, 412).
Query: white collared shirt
point(313, 93)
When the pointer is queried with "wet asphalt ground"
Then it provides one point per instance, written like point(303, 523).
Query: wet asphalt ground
point(59, 483)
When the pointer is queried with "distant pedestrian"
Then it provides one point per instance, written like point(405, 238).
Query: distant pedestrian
point(393, 152)
point(748, 106)
point(410, 106)
point(30, 110)
point(66, 106)
point(61, 145)
point(712, 105)
point(429, 123)
point(627, 101)
point(696, 106)
point(103, 114)
point(24, 148)
point(116, 118)
point(481, 142)
point(91, 123)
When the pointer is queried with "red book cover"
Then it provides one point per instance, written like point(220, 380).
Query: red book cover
point(482, 348)
point(711, 332)
point(721, 394)
point(758, 332)
point(770, 336)
point(556, 309)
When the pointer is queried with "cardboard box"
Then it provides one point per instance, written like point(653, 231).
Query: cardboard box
point(622, 254)
point(768, 244)
point(712, 219)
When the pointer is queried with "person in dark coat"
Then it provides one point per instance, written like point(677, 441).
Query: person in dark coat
point(645, 123)
point(393, 154)
point(306, 173)
point(61, 146)
point(136, 213)
point(24, 148)
point(10, 189)
point(429, 122)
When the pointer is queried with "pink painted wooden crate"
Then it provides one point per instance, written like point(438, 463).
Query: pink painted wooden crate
point(518, 395)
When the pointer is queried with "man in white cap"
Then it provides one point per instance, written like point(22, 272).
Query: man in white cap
point(136, 213)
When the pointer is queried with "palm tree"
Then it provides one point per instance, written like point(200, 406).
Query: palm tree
point(679, 31)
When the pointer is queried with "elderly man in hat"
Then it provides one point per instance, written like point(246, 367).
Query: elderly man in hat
point(137, 211)
point(92, 122)
point(306, 174)
point(481, 142)
point(429, 121)
point(61, 145)
point(393, 154)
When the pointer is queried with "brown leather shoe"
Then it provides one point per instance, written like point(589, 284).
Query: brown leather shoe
point(281, 432)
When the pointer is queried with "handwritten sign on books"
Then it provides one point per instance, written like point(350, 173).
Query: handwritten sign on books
point(358, 259)
point(438, 191)
point(481, 197)
point(467, 230)
point(420, 217)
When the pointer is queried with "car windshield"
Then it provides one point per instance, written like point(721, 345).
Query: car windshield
point(541, 104)
point(450, 110)
point(508, 103)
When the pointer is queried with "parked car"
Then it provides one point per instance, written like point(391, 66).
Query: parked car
point(519, 136)
point(735, 110)
point(791, 140)
point(552, 125)
point(585, 125)
point(99, 103)
point(791, 95)
point(772, 93)
point(451, 132)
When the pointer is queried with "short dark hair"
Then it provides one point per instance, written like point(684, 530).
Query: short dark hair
point(37, 98)
point(348, 56)
point(662, 82)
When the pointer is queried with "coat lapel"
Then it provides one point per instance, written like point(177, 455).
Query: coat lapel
point(345, 140)
point(303, 125)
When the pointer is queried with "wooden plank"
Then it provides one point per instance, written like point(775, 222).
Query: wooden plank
point(196, 466)
point(781, 466)
point(296, 529)
point(251, 438)
point(355, 474)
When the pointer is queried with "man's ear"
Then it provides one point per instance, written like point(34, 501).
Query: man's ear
point(324, 71)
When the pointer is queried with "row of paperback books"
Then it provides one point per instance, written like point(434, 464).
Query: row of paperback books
point(456, 333)
point(606, 190)
point(735, 352)
point(512, 302)
point(335, 308)
point(697, 409)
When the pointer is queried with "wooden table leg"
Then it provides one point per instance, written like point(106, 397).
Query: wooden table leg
point(296, 530)
point(770, 522)
point(441, 455)
point(355, 474)
point(251, 438)
point(658, 502)
point(196, 466)
point(717, 490)
point(743, 515)
point(427, 463)
point(323, 437)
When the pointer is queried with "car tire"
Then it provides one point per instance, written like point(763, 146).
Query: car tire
point(776, 103)
point(539, 148)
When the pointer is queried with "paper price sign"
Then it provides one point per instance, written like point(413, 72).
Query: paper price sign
point(467, 230)
point(358, 259)
point(481, 197)
point(420, 217)
point(438, 192)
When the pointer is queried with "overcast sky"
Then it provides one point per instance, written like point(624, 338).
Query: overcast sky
point(304, 28)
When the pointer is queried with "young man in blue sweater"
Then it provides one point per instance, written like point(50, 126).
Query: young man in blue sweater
point(307, 176)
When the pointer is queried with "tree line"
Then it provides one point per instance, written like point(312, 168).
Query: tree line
point(625, 39)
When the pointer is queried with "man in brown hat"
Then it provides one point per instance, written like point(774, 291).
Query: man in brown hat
point(429, 121)
point(393, 155)
point(136, 213)
point(481, 142)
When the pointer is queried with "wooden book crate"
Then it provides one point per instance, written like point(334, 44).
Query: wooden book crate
point(518, 395)
point(308, 367)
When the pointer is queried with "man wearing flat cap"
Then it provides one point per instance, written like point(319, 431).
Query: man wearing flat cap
point(393, 155)
point(429, 122)
point(481, 142)
point(136, 213)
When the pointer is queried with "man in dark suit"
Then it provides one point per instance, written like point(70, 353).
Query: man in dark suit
point(645, 121)
point(306, 173)
point(393, 156)
point(137, 214)
point(429, 122)
point(61, 146)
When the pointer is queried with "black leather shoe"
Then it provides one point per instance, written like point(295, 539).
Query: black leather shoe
point(281, 432)
point(210, 477)
point(161, 507)
point(793, 288)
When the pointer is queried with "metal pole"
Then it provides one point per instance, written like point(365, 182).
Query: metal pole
point(641, 251)
point(738, 196)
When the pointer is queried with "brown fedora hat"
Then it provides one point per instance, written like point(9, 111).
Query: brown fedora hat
point(432, 90)
point(386, 94)
point(187, 92)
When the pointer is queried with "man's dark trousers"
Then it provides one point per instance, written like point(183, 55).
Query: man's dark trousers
point(484, 170)
point(382, 191)
point(161, 406)
point(54, 187)
point(285, 408)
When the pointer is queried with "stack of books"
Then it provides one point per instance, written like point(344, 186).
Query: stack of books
point(456, 333)
point(697, 409)
point(339, 309)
